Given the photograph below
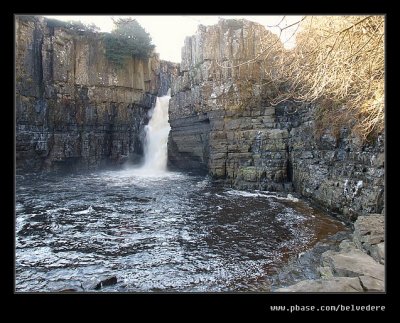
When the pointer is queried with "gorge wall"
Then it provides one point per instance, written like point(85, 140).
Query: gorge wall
point(222, 123)
point(75, 110)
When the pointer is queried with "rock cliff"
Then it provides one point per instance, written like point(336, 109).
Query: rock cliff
point(222, 122)
point(75, 110)
point(216, 111)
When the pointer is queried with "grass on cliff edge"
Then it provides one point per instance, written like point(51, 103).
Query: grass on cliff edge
point(127, 39)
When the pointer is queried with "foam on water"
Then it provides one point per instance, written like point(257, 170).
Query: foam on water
point(169, 232)
point(155, 148)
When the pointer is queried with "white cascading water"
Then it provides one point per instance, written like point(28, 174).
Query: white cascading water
point(155, 148)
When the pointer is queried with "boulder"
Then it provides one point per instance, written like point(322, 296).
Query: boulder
point(325, 272)
point(335, 285)
point(371, 284)
point(369, 235)
point(369, 230)
point(347, 245)
point(352, 264)
point(380, 252)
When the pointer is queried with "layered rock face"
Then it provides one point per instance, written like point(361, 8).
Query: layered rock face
point(339, 173)
point(74, 110)
point(216, 112)
point(223, 123)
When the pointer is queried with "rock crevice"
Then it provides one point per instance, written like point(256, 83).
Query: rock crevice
point(353, 268)
point(223, 122)
point(74, 109)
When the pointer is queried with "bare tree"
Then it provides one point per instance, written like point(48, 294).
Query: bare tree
point(338, 64)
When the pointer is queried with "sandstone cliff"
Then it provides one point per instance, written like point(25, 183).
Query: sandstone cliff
point(74, 110)
point(222, 122)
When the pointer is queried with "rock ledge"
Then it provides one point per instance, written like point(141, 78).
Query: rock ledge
point(357, 267)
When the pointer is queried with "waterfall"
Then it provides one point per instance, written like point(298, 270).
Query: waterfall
point(155, 146)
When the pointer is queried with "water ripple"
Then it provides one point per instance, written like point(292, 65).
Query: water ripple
point(167, 232)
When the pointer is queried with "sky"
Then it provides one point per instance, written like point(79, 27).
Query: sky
point(168, 32)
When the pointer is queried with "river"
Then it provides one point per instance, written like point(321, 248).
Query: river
point(167, 232)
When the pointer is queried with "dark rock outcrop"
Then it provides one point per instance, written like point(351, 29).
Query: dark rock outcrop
point(75, 110)
point(106, 282)
point(339, 173)
point(222, 122)
point(352, 268)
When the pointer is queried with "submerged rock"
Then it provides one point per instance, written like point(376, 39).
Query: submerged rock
point(106, 282)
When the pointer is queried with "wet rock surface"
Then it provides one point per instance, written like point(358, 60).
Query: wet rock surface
point(307, 265)
point(75, 110)
point(223, 122)
point(348, 269)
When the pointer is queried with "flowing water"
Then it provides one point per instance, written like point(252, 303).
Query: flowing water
point(155, 148)
point(155, 230)
point(171, 232)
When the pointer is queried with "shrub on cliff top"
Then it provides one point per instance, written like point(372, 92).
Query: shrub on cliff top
point(339, 64)
point(71, 25)
point(128, 39)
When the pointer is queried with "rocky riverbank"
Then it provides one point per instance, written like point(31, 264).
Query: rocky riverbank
point(75, 110)
point(358, 265)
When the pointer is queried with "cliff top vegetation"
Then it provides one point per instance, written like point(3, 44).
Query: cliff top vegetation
point(338, 65)
point(127, 39)
point(72, 25)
